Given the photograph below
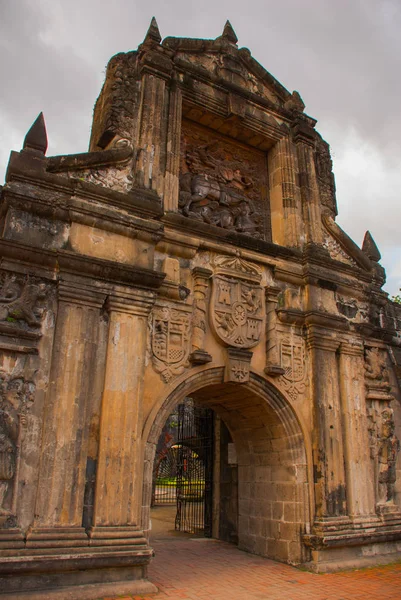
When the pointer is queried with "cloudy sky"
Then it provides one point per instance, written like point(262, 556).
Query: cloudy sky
point(343, 56)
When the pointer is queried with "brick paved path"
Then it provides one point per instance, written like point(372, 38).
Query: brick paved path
point(190, 569)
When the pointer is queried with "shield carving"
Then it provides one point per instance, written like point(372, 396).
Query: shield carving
point(170, 341)
point(293, 360)
point(237, 311)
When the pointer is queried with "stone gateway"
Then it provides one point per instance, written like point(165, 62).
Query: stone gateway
point(193, 252)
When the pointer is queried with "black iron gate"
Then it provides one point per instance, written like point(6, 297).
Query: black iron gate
point(183, 471)
point(194, 469)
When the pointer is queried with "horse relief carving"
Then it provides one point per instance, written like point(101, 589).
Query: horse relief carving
point(221, 185)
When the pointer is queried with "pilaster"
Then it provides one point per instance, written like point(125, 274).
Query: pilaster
point(201, 283)
point(117, 495)
point(273, 367)
point(286, 209)
point(304, 137)
point(358, 468)
point(151, 157)
point(172, 178)
point(327, 438)
point(59, 502)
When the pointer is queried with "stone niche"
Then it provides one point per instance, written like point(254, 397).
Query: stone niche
point(223, 182)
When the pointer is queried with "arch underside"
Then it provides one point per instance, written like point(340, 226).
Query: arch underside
point(273, 506)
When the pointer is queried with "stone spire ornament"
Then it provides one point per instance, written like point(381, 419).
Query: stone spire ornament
point(36, 138)
point(229, 33)
point(153, 33)
point(370, 248)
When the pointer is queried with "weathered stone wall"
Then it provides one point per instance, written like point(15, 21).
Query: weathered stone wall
point(192, 251)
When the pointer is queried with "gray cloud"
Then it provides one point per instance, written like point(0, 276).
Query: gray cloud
point(344, 57)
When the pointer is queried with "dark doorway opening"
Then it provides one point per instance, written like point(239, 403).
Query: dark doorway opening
point(183, 468)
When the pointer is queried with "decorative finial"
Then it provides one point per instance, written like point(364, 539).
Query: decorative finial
point(36, 138)
point(153, 33)
point(369, 247)
point(229, 33)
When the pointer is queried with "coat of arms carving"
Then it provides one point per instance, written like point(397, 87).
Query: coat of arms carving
point(170, 329)
point(293, 361)
point(237, 306)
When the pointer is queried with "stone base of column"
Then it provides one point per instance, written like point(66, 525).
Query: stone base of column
point(11, 539)
point(200, 357)
point(274, 370)
point(354, 543)
point(50, 566)
point(56, 537)
point(116, 536)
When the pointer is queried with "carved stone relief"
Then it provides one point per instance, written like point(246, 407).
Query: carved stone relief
point(21, 300)
point(114, 177)
point(16, 398)
point(199, 316)
point(376, 370)
point(239, 363)
point(384, 447)
point(336, 251)
point(170, 337)
point(223, 183)
point(293, 361)
point(231, 69)
point(237, 309)
point(324, 172)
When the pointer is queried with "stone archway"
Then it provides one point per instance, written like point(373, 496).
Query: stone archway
point(273, 493)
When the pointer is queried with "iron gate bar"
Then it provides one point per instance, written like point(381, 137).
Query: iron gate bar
point(194, 468)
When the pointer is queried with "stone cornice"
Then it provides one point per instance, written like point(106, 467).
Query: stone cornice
point(80, 210)
point(212, 232)
point(62, 262)
point(86, 160)
point(352, 348)
point(138, 303)
point(79, 293)
point(312, 318)
point(24, 168)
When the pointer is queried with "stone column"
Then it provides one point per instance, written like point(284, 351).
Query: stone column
point(285, 197)
point(327, 440)
point(172, 179)
point(358, 468)
point(273, 366)
point(118, 494)
point(59, 503)
point(304, 137)
point(199, 319)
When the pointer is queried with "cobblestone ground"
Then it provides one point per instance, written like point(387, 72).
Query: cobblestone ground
point(191, 569)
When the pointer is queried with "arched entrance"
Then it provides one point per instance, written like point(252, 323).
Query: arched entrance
point(273, 505)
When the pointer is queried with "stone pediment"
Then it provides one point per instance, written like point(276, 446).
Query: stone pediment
point(223, 61)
